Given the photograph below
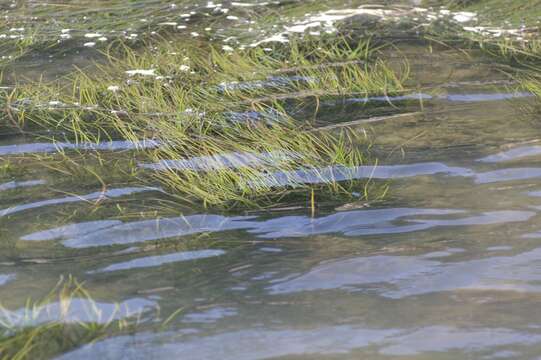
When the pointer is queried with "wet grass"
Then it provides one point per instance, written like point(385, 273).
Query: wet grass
point(516, 52)
point(231, 124)
point(65, 28)
point(38, 332)
point(201, 102)
point(173, 80)
point(209, 103)
point(515, 12)
point(515, 49)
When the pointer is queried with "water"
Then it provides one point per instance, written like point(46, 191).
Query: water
point(448, 266)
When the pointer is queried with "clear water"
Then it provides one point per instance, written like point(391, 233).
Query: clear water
point(447, 267)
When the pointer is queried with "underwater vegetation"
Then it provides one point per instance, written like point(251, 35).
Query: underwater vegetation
point(255, 162)
point(525, 13)
point(67, 318)
point(244, 114)
point(507, 31)
point(228, 123)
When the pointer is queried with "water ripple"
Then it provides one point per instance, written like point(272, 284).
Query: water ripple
point(222, 161)
point(348, 223)
point(342, 173)
point(402, 276)
point(258, 343)
point(17, 149)
point(507, 175)
point(513, 154)
point(158, 260)
point(6, 278)
point(20, 184)
point(79, 310)
point(108, 194)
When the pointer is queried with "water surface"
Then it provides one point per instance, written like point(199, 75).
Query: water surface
point(448, 266)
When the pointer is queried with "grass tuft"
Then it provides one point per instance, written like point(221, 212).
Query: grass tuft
point(203, 104)
point(46, 327)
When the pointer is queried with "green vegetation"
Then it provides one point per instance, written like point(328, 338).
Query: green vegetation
point(514, 13)
point(49, 326)
point(198, 101)
point(281, 126)
point(204, 102)
point(507, 31)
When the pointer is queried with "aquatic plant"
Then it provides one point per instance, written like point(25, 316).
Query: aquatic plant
point(171, 80)
point(49, 326)
point(497, 11)
point(513, 51)
point(198, 101)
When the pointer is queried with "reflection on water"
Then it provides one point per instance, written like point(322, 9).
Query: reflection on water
point(4, 279)
point(17, 149)
point(77, 310)
point(146, 230)
point(340, 173)
point(473, 97)
point(255, 344)
point(348, 223)
point(70, 230)
point(447, 267)
point(99, 195)
point(221, 161)
point(402, 276)
point(508, 175)
point(20, 184)
point(153, 261)
point(513, 154)
point(209, 316)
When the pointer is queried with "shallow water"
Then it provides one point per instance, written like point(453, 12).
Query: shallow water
point(448, 266)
